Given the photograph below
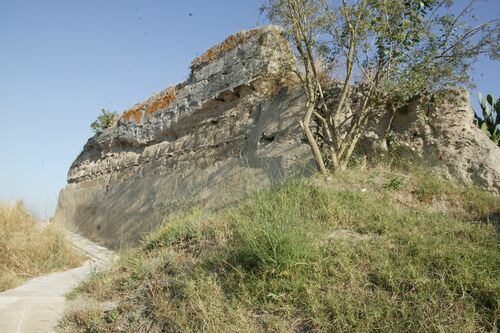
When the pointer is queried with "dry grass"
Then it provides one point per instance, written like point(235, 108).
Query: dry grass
point(378, 250)
point(27, 250)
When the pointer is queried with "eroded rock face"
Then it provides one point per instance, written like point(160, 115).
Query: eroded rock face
point(223, 73)
point(444, 135)
point(228, 130)
point(233, 127)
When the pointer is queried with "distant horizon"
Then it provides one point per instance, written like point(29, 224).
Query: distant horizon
point(61, 63)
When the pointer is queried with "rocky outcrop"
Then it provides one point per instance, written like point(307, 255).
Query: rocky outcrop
point(225, 131)
point(233, 127)
point(444, 135)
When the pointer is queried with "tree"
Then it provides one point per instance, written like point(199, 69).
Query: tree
point(393, 52)
point(103, 121)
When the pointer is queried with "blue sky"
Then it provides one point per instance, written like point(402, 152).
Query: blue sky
point(61, 61)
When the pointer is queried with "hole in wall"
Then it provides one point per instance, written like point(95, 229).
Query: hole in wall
point(267, 138)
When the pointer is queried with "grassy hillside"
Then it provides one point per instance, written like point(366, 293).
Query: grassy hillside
point(27, 251)
point(368, 251)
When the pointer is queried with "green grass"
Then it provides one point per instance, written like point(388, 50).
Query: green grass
point(406, 255)
point(27, 250)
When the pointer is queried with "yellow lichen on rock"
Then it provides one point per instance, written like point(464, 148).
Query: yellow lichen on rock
point(151, 105)
point(161, 102)
point(228, 44)
point(134, 113)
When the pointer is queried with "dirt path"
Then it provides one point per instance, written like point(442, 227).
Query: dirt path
point(37, 305)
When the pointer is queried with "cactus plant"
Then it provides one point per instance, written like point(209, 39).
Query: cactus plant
point(489, 123)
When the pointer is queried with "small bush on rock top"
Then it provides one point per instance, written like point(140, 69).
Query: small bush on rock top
point(103, 121)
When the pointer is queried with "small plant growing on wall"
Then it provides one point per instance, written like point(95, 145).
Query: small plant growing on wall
point(103, 121)
point(489, 121)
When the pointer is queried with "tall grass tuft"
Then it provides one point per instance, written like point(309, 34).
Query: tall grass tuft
point(27, 250)
point(311, 256)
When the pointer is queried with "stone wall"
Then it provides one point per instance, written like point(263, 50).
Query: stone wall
point(232, 127)
point(229, 129)
point(444, 134)
point(219, 74)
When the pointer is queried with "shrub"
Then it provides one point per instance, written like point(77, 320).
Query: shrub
point(103, 121)
point(401, 51)
point(395, 183)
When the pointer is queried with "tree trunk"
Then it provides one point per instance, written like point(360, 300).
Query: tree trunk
point(311, 140)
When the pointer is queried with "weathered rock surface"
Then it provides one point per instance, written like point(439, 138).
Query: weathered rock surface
point(445, 136)
point(230, 128)
point(227, 131)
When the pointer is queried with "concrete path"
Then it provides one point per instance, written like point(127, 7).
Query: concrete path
point(37, 305)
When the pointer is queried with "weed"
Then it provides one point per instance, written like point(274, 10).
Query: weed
point(28, 250)
point(270, 263)
point(395, 183)
point(103, 121)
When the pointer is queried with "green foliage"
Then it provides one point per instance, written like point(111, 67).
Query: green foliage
point(425, 46)
point(103, 121)
point(393, 141)
point(489, 121)
point(397, 51)
point(395, 183)
point(313, 257)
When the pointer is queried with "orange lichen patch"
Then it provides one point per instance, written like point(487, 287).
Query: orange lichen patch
point(161, 102)
point(151, 105)
point(134, 113)
point(230, 43)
